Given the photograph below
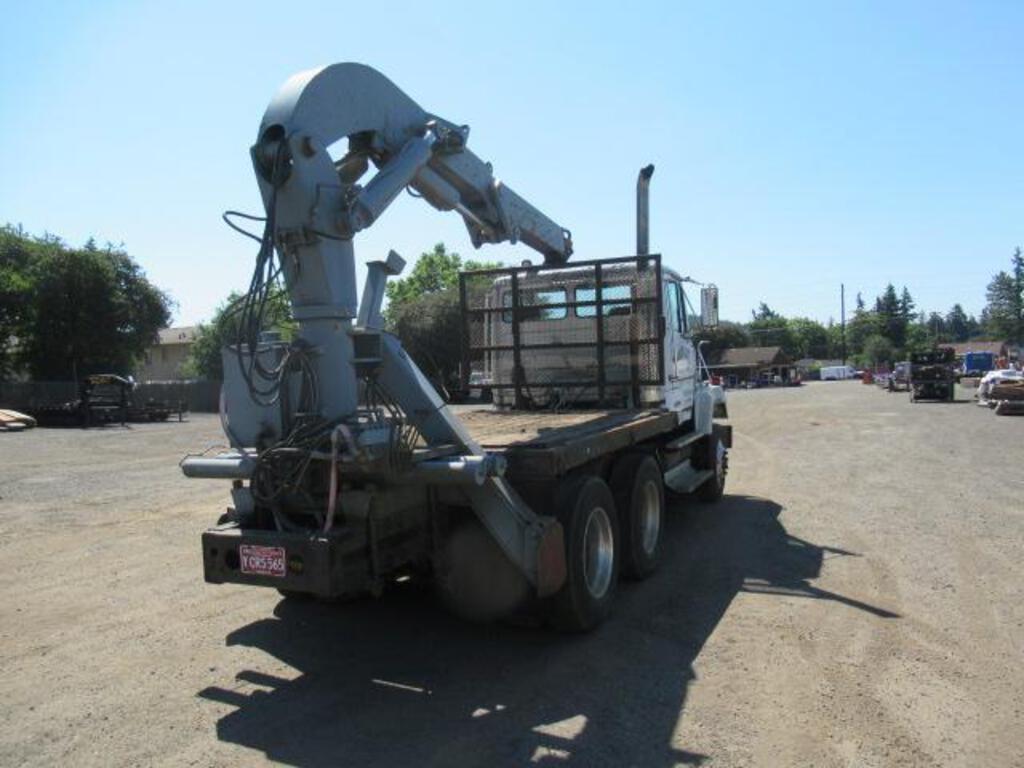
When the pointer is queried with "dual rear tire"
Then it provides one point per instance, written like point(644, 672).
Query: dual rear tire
point(618, 526)
point(607, 529)
point(586, 509)
point(639, 490)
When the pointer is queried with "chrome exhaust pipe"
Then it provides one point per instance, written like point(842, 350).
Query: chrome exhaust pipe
point(643, 217)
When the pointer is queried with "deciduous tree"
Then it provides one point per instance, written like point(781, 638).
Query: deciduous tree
point(89, 310)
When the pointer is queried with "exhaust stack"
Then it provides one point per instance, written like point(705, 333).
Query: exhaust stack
point(643, 218)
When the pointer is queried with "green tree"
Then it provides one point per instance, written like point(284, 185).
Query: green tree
point(435, 270)
point(893, 315)
point(878, 350)
point(88, 310)
point(1001, 314)
point(429, 328)
point(773, 332)
point(935, 325)
point(862, 325)
point(958, 325)
point(205, 359)
point(919, 338)
point(906, 313)
point(1017, 303)
point(726, 335)
point(764, 312)
point(768, 328)
point(810, 338)
point(17, 251)
point(424, 312)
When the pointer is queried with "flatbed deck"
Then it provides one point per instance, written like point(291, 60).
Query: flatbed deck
point(551, 443)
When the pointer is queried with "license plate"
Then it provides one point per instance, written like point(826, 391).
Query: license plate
point(262, 561)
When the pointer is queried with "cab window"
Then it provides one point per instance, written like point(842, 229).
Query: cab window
point(617, 300)
point(531, 305)
point(675, 311)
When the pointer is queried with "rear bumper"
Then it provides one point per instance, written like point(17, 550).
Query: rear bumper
point(314, 563)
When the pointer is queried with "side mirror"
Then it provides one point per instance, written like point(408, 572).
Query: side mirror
point(709, 306)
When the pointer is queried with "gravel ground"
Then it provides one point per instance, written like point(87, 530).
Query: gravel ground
point(855, 600)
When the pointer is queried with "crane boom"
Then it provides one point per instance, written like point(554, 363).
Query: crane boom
point(409, 147)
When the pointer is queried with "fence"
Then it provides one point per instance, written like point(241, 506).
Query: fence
point(198, 396)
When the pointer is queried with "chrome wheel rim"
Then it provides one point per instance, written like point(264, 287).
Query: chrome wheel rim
point(598, 552)
point(650, 518)
point(720, 464)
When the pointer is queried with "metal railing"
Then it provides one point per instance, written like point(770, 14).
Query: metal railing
point(592, 331)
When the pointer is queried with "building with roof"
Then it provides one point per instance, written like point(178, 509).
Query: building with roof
point(753, 365)
point(997, 348)
point(165, 360)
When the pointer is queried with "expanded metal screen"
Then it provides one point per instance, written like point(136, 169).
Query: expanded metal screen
point(589, 333)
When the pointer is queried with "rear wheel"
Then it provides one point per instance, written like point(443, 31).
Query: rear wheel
point(638, 486)
point(587, 513)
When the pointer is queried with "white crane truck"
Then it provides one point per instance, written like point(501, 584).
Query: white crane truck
point(347, 468)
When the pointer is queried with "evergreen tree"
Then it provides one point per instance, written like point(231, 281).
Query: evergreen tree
point(891, 320)
point(957, 324)
point(1017, 303)
point(906, 307)
point(1001, 315)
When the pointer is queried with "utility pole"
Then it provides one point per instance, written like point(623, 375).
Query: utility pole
point(842, 320)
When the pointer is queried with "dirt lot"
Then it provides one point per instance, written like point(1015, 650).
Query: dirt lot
point(855, 600)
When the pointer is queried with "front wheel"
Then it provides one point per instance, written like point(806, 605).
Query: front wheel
point(295, 596)
point(587, 513)
point(717, 459)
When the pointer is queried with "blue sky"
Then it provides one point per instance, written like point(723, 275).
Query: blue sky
point(797, 145)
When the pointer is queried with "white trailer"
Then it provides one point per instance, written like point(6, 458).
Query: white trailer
point(837, 372)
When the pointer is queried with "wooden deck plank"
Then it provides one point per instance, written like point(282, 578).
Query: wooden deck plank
point(538, 443)
point(538, 429)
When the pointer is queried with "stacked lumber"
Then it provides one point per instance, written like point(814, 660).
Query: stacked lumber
point(1007, 390)
point(1010, 408)
point(1009, 398)
point(12, 420)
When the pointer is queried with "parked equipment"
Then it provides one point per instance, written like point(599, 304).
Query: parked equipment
point(899, 379)
point(349, 470)
point(932, 375)
point(104, 398)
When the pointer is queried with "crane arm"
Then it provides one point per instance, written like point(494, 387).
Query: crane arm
point(409, 148)
point(316, 201)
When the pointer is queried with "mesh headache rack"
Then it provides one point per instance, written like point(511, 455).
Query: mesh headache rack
point(589, 334)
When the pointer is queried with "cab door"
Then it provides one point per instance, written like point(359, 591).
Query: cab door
point(680, 355)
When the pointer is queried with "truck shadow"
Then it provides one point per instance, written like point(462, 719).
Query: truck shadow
point(398, 681)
